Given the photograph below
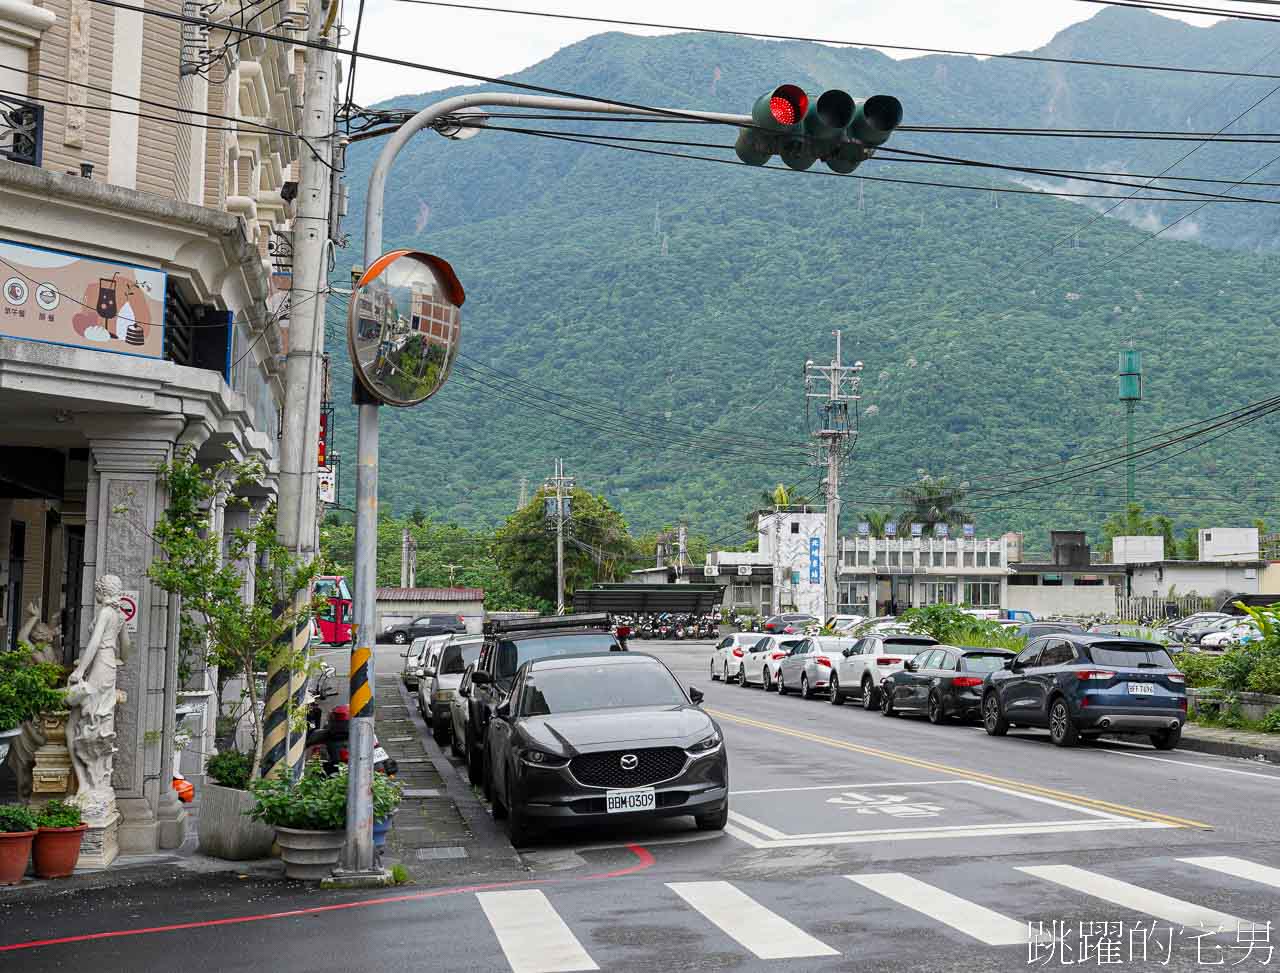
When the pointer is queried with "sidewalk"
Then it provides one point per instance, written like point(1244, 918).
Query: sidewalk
point(1231, 743)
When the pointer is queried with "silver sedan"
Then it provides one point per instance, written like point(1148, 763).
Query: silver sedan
point(809, 664)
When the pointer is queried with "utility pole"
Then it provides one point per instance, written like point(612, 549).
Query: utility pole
point(296, 523)
point(408, 559)
point(842, 388)
point(452, 568)
point(682, 549)
point(776, 607)
point(563, 487)
point(524, 492)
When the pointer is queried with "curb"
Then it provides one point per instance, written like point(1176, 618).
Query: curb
point(1231, 748)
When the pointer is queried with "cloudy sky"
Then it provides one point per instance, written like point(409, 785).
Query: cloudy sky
point(496, 44)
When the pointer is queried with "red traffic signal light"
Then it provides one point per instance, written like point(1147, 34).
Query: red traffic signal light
point(787, 105)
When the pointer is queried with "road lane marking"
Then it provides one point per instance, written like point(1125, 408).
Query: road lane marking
point(1166, 907)
point(974, 831)
point(757, 826)
point(531, 933)
point(840, 787)
point(979, 922)
point(745, 920)
point(967, 774)
point(1239, 868)
point(1191, 763)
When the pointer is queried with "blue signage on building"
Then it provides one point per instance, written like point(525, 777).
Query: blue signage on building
point(815, 560)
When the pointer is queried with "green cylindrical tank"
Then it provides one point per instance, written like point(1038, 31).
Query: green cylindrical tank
point(1130, 375)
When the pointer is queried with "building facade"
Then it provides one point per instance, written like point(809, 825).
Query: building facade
point(886, 576)
point(145, 220)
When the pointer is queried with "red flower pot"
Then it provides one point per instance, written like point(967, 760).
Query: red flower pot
point(57, 850)
point(15, 850)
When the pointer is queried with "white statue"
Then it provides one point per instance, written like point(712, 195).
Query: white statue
point(92, 698)
point(42, 637)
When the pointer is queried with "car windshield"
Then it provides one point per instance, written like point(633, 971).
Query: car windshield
point(984, 663)
point(789, 644)
point(458, 655)
point(513, 654)
point(605, 686)
point(1134, 655)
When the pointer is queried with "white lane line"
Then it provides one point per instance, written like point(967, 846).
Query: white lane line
point(983, 924)
point(1190, 763)
point(1239, 868)
point(996, 831)
point(846, 787)
point(745, 920)
point(757, 826)
point(1135, 897)
point(531, 933)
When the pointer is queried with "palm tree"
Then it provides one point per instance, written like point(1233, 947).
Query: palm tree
point(933, 501)
point(875, 520)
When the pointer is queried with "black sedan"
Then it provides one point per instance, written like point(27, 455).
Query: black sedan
point(943, 682)
point(584, 738)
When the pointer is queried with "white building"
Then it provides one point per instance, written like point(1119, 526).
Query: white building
point(890, 575)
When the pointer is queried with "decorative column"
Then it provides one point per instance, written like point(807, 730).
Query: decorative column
point(124, 501)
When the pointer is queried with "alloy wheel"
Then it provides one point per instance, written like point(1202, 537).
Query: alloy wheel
point(935, 708)
point(836, 698)
point(805, 692)
point(868, 694)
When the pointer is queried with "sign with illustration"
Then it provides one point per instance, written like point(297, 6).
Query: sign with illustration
point(68, 299)
point(129, 603)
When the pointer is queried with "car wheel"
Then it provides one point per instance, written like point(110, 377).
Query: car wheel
point(724, 673)
point(765, 680)
point(1062, 728)
point(455, 746)
point(836, 698)
point(475, 760)
point(993, 720)
point(440, 733)
point(713, 675)
point(870, 698)
point(936, 715)
point(1166, 739)
point(714, 821)
point(805, 691)
point(399, 638)
point(782, 686)
point(742, 675)
point(886, 705)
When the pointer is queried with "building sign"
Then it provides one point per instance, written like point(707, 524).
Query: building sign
point(328, 485)
point(66, 299)
point(891, 529)
point(940, 530)
point(815, 560)
point(129, 605)
point(864, 529)
point(969, 530)
point(323, 453)
point(917, 530)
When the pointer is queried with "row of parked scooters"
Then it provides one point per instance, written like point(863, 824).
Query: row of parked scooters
point(665, 625)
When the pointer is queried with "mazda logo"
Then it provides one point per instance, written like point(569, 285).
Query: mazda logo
point(629, 761)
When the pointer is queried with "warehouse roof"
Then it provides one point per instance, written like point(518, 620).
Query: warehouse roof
point(430, 594)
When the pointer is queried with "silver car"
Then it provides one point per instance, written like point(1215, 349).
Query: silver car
point(766, 657)
point(442, 681)
point(808, 666)
point(458, 710)
point(427, 660)
point(411, 671)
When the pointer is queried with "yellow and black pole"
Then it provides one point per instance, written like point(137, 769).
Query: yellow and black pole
point(282, 748)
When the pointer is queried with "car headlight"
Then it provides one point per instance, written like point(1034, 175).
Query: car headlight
point(540, 758)
point(707, 744)
point(443, 695)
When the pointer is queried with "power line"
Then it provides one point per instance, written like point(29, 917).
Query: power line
point(1182, 8)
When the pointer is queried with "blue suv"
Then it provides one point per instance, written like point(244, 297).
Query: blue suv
point(1085, 685)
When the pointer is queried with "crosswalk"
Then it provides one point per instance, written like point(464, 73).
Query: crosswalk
point(535, 937)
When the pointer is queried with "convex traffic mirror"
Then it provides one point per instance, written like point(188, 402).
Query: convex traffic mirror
point(405, 326)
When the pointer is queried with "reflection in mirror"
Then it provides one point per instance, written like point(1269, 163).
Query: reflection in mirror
point(404, 328)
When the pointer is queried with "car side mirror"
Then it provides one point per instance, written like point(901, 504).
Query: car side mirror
point(847, 653)
point(429, 673)
point(479, 678)
point(695, 696)
point(464, 692)
point(404, 654)
point(503, 712)
point(910, 665)
point(1011, 664)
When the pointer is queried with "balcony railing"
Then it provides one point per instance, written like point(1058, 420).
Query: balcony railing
point(21, 131)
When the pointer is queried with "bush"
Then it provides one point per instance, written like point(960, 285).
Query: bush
point(954, 626)
point(1271, 722)
point(230, 768)
point(317, 802)
point(1265, 675)
point(16, 817)
point(1235, 667)
point(1201, 670)
point(60, 814)
point(27, 688)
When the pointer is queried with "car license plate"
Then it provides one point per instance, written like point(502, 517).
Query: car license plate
point(1141, 689)
point(379, 755)
point(636, 799)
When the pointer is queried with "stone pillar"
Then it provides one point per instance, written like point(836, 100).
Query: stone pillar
point(123, 502)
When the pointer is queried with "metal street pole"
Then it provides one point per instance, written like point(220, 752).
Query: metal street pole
point(299, 474)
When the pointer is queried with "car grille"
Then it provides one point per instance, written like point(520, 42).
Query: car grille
point(605, 769)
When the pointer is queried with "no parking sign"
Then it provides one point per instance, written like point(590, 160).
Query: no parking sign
point(129, 605)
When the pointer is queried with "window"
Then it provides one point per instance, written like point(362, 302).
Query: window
point(864, 558)
point(951, 559)
point(908, 559)
point(1133, 654)
point(893, 559)
point(1058, 653)
point(968, 559)
point(929, 660)
point(742, 594)
point(1029, 655)
point(849, 558)
point(942, 592)
point(795, 527)
point(880, 557)
point(937, 559)
point(995, 559)
point(601, 686)
point(456, 656)
point(1052, 580)
point(981, 561)
point(982, 594)
point(947, 662)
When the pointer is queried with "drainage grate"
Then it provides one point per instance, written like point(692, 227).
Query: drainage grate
point(436, 854)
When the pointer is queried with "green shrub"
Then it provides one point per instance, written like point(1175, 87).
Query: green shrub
point(27, 688)
point(230, 768)
point(1234, 668)
point(316, 802)
point(953, 626)
point(16, 817)
point(1200, 669)
point(1265, 675)
point(60, 814)
point(1271, 722)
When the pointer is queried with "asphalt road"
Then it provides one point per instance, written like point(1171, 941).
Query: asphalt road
point(855, 841)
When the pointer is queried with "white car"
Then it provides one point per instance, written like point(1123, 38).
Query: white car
point(427, 662)
point(866, 663)
point(1236, 635)
point(728, 655)
point(842, 623)
point(762, 663)
point(807, 668)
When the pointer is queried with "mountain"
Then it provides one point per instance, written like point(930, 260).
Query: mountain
point(669, 305)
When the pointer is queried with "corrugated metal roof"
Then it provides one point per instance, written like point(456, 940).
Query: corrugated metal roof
point(430, 594)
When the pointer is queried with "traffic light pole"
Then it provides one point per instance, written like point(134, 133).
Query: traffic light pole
point(358, 859)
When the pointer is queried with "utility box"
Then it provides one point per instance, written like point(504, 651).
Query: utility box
point(1136, 550)
point(1229, 544)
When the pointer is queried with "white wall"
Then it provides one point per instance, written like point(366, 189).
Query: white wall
point(1136, 550)
point(1229, 544)
point(1047, 602)
point(1203, 579)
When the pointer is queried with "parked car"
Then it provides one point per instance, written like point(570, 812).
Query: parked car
point(763, 659)
point(458, 707)
point(441, 678)
point(728, 658)
point(1031, 630)
point(1179, 630)
point(941, 682)
point(1196, 635)
point(427, 662)
point(510, 644)
point(413, 663)
point(586, 737)
point(1242, 633)
point(406, 632)
point(1086, 685)
point(882, 625)
point(809, 665)
point(843, 624)
point(867, 662)
point(789, 624)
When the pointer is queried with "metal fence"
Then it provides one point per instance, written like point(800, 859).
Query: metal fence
point(1152, 606)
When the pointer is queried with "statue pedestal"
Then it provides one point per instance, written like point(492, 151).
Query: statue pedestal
point(100, 847)
point(52, 775)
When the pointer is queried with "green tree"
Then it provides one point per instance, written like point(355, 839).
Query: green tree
point(932, 501)
point(875, 521)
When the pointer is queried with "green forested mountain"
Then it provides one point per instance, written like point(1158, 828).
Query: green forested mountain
point(676, 301)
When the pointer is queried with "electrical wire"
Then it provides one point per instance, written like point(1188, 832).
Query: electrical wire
point(1182, 8)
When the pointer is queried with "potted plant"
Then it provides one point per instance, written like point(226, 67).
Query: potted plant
point(386, 801)
point(27, 689)
point(57, 846)
point(226, 830)
point(17, 830)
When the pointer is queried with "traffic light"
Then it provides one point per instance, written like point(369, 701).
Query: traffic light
point(836, 128)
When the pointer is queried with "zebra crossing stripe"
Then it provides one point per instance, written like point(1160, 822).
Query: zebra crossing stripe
point(1135, 897)
point(531, 933)
point(977, 921)
point(745, 920)
point(1239, 868)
